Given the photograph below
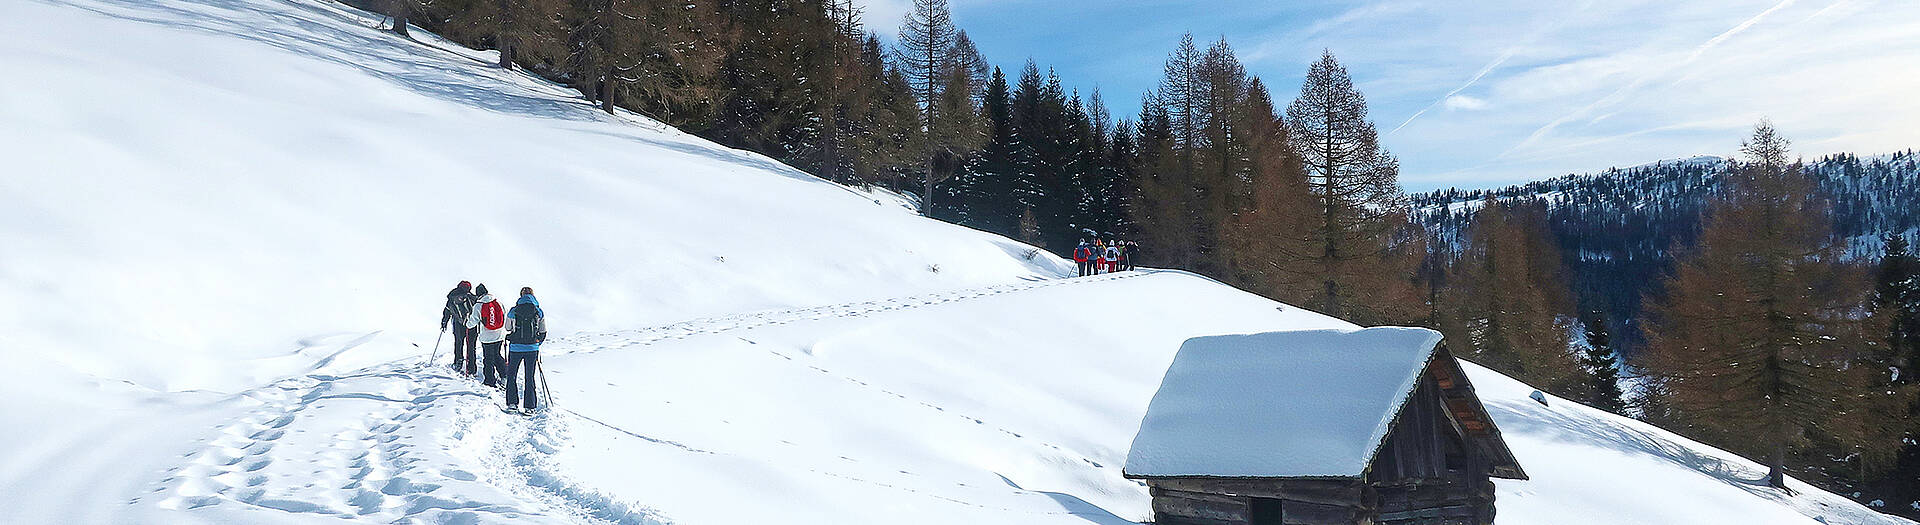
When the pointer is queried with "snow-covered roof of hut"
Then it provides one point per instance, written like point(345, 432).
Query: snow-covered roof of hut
point(1312, 403)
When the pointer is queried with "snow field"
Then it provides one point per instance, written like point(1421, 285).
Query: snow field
point(230, 223)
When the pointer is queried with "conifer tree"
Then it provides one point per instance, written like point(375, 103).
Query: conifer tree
point(1897, 299)
point(990, 194)
point(898, 140)
point(515, 27)
point(1750, 344)
point(1510, 302)
point(662, 52)
point(1275, 225)
point(1894, 394)
point(1603, 391)
point(1159, 202)
point(400, 11)
point(943, 69)
point(1357, 185)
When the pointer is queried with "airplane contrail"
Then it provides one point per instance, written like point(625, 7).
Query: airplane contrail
point(1620, 94)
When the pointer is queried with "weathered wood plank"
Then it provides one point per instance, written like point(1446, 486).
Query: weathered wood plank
point(1196, 507)
point(1325, 492)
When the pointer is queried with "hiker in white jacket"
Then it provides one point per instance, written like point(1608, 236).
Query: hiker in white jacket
point(493, 335)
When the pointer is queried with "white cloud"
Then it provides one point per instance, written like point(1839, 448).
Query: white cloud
point(1497, 92)
point(883, 16)
point(1464, 102)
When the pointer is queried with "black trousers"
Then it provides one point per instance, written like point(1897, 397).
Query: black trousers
point(515, 362)
point(1084, 266)
point(464, 340)
point(492, 363)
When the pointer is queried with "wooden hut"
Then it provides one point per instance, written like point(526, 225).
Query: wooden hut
point(1367, 426)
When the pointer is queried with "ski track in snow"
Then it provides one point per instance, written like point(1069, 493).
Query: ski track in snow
point(619, 339)
point(409, 442)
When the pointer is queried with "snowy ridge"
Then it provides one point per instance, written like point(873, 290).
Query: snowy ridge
point(242, 215)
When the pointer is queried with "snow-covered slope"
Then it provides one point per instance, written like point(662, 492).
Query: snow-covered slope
point(229, 222)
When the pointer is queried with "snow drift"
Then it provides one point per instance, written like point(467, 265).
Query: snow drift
point(229, 223)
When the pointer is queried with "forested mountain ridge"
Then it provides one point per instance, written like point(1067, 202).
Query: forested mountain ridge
point(1617, 229)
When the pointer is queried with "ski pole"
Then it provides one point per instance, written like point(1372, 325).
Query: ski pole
point(544, 387)
point(436, 345)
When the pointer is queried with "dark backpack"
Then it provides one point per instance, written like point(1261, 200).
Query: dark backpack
point(460, 306)
point(527, 328)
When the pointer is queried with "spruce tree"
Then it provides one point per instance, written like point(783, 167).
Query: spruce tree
point(1603, 391)
point(1897, 299)
point(1896, 392)
point(885, 133)
point(515, 27)
point(991, 192)
point(664, 53)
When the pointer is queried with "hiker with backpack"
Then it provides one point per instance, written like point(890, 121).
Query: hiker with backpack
point(1111, 257)
point(493, 335)
point(1082, 255)
point(459, 315)
point(526, 329)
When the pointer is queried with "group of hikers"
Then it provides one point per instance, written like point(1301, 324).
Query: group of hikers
point(477, 318)
point(1105, 256)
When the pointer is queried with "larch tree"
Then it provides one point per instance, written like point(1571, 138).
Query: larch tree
point(1751, 342)
point(1510, 304)
point(927, 54)
point(1276, 224)
point(1357, 186)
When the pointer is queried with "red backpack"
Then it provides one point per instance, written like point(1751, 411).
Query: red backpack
point(491, 316)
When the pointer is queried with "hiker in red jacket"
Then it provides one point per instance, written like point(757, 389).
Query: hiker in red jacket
point(493, 334)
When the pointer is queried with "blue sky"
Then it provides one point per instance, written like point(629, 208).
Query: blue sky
point(1493, 92)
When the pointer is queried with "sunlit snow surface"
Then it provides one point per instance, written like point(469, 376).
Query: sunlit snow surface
point(227, 224)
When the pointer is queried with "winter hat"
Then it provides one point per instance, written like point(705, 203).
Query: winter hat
point(464, 284)
point(526, 290)
point(482, 289)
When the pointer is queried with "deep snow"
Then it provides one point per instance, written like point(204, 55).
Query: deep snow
point(229, 222)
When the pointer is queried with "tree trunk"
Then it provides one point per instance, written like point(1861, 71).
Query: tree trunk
point(506, 51)
point(926, 196)
point(398, 10)
point(606, 92)
point(1776, 474)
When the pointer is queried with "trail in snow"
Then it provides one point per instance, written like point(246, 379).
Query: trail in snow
point(403, 441)
point(618, 339)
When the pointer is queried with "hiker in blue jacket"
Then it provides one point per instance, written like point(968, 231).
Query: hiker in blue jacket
point(526, 329)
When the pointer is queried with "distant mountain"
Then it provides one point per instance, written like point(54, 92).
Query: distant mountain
point(1618, 229)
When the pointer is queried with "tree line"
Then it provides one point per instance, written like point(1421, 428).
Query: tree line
point(1770, 343)
point(1767, 335)
point(1208, 174)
